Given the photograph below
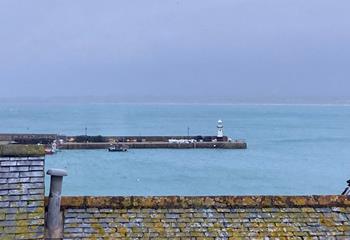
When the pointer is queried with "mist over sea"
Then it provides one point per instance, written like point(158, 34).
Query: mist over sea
point(292, 149)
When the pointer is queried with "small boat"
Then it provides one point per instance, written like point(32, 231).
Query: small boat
point(122, 148)
point(51, 150)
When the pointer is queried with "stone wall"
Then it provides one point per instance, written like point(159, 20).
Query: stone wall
point(263, 217)
point(22, 192)
point(27, 136)
point(151, 138)
point(141, 145)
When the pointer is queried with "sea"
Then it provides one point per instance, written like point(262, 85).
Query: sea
point(292, 149)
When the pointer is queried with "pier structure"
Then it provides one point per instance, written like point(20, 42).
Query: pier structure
point(98, 142)
point(145, 145)
point(29, 138)
point(173, 142)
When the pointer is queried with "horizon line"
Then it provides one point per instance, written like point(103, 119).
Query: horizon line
point(173, 100)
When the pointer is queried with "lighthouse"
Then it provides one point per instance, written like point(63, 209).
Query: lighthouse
point(220, 135)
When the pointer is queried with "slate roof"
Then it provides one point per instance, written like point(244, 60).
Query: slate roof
point(253, 217)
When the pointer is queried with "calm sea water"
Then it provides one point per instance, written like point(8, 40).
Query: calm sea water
point(291, 149)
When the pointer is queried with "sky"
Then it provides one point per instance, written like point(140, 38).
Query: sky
point(229, 50)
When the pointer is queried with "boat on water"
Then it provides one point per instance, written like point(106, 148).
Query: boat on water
point(51, 149)
point(118, 148)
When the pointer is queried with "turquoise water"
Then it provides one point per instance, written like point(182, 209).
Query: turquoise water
point(292, 149)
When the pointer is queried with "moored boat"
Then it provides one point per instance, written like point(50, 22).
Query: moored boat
point(51, 149)
point(118, 148)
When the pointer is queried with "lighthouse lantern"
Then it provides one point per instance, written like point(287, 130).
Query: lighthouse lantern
point(220, 128)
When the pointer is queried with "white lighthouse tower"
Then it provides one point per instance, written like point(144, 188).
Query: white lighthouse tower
point(220, 135)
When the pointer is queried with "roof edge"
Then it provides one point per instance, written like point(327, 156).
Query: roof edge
point(128, 202)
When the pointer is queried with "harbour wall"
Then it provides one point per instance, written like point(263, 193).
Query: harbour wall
point(139, 142)
point(154, 138)
point(49, 138)
point(6, 138)
point(52, 137)
point(143, 145)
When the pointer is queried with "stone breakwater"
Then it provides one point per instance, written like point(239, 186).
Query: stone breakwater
point(141, 145)
point(103, 142)
point(22, 211)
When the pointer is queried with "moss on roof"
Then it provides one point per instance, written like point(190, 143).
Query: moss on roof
point(21, 150)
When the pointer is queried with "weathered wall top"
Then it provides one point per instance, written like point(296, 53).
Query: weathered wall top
point(206, 202)
point(21, 150)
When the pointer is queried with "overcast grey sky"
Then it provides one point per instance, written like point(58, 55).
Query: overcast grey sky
point(241, 49)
